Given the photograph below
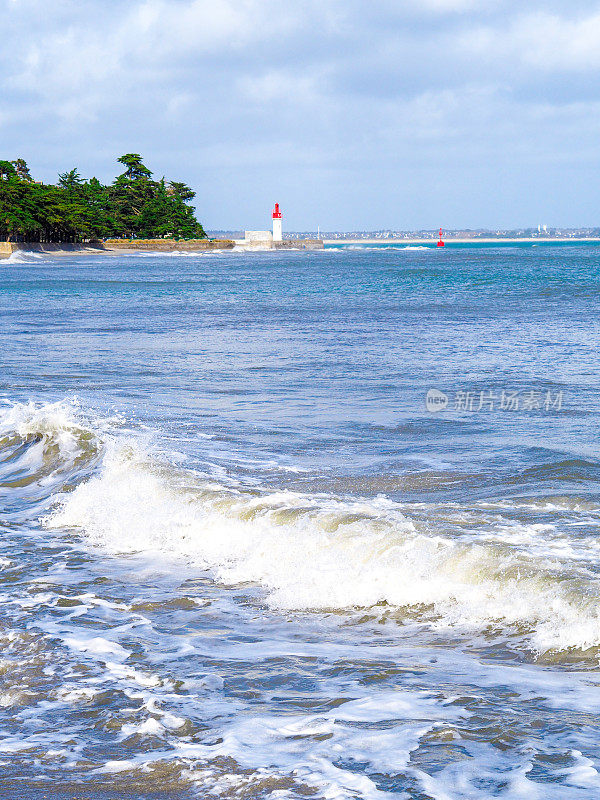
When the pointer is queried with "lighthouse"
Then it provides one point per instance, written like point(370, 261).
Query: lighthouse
point(277, 231)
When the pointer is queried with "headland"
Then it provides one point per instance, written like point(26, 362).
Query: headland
point(78, 211)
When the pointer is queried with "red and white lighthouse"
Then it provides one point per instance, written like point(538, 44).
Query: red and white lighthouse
point(277, 230)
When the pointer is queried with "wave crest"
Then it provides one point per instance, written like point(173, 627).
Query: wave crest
point(42, 440)
point(317, 552)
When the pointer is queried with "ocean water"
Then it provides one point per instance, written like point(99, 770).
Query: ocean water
point(243, 556)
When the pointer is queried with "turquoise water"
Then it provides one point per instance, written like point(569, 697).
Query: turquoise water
point(243, 556)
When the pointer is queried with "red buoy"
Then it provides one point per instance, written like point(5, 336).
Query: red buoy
point(440, 240)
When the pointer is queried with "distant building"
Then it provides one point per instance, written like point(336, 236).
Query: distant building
point(258, 237)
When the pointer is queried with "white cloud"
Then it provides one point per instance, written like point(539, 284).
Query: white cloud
point(336, 88)
point(543, 41)
point(276, 86)
point(453, 6)
point(552, 42)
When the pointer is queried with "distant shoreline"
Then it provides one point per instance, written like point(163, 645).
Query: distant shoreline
point(450, 240)
point(116, 247)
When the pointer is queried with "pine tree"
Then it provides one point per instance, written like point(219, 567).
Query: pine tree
point(134, 205)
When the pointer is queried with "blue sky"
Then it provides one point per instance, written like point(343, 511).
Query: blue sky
point(351, 114)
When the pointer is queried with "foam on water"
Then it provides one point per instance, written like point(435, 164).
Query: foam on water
point(22, 257)
point(178, 253)
point(378, 248)
point(58, 421)
point(316, 552)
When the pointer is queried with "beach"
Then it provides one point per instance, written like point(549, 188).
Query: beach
point(300, 524)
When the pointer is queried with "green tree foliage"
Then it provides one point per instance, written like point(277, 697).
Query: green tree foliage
point(74, 210)
point(135, 169)
point(22, 170)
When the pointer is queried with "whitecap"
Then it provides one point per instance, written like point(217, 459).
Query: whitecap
point(314, 552)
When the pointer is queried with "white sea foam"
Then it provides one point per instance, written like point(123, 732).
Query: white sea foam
point(317, 552)
point(56, 437)
point(59, 422)
point(240, 248)
point(150, 727)
point(377, 248)
point(22, 257)
point(176, 253)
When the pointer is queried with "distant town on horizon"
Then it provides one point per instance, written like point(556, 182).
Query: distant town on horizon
point(541, 232)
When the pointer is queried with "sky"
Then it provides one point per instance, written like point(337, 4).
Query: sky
point(352, 114)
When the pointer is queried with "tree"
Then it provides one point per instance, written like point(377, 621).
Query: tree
point(135, 169)
point(75, 209)
point(22, 170)
point(70, 180)
point(181, 190)
point(7, 170)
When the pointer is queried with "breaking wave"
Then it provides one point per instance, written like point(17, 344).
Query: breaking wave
point(307, 551)
point(22, 257)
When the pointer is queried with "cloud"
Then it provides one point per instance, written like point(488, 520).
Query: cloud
point(453, 6)
point(540, 40)
point(245, 98)
point(550, 42)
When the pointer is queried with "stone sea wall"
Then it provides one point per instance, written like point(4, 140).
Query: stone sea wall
point(167, 245)
point(299, 244)
point(8, 248)
point(154, 245)
point(286, 244)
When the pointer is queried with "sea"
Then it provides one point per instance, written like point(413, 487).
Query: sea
point(288, 525)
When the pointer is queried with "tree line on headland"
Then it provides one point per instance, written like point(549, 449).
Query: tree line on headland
point(75, 210)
